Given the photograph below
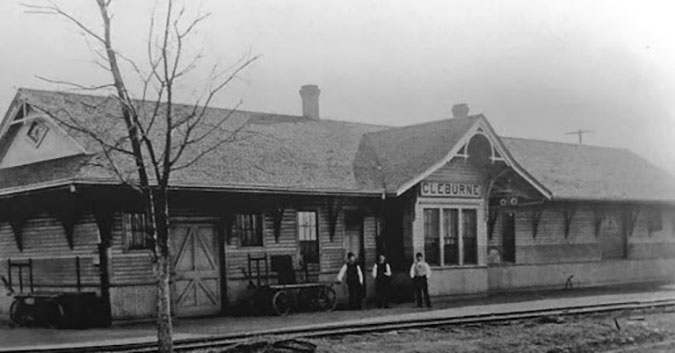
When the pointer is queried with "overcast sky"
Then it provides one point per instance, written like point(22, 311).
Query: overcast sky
point(536, 69)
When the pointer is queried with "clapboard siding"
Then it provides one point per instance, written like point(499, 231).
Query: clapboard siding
point(132, 274)
point(132, 269)
point(582, 244)
point(331, 248)
point(370, 240)
point(43, 236)
point(458, 170)
point(54, 262)
point(128, 267)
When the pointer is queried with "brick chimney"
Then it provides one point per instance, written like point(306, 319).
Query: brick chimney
point(310, 101)
point(460, 110)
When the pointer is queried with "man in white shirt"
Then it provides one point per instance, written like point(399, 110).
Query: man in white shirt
point(420, 272)
point(354, 277)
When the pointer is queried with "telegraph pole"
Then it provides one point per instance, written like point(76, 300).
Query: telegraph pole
point(580, 133)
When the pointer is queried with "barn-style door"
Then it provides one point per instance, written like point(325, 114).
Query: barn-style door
point(196, 280)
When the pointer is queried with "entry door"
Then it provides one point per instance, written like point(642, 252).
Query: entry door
point(353, 241)
point(509, 237)
point(196, 281)
point(612, 240)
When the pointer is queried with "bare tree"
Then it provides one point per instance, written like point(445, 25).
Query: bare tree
point(156, 134)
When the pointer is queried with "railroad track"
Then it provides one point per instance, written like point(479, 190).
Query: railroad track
point(341, 329)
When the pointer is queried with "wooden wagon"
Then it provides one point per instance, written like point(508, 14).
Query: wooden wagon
point(286, 295)
point(68, 309)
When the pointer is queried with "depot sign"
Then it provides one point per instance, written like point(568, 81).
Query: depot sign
point(436, 189)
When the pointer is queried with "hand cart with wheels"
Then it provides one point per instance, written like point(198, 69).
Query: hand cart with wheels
point(51, 309)
point(286, 295)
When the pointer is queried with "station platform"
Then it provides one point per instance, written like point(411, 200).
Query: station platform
point(17, 338)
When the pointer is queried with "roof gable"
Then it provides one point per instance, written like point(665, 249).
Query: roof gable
point(405, 153)
point(29, 137)
point(410, 154)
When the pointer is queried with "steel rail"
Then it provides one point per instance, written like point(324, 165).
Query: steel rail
point(344, 328)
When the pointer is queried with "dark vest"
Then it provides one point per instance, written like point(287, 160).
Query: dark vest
point(352, 273)
point(381, 269)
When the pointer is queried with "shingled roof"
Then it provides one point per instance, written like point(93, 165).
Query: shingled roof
point(405, 152)
point(296, 154)
point(583, 172)
point(272, 151)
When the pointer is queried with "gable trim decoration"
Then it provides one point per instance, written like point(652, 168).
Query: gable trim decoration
point(481, 127)
point(36, 133)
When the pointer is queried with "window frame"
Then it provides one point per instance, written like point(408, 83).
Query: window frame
point(239, 230)
point(464, 237)
point(512, 257)
point(433, 259)
point(442, 208)
point(30, 126)
point(128, 225)
point(654, 220)
point(300, 241)
point(454, 229)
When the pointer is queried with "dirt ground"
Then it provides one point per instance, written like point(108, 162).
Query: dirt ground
point(624, 332)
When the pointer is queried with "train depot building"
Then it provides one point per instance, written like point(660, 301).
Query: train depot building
point(491, 214)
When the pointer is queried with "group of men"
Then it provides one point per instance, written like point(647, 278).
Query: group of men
point(351, 274)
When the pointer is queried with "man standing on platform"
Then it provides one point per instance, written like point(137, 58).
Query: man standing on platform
point(420, 272)
point(382, 276)
point(354, 279)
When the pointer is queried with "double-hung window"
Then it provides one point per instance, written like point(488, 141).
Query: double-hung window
point(654, 220)
point(308, 237)
point(137, 236)
point(249, 227)
point(450, 236)
point(432, 231)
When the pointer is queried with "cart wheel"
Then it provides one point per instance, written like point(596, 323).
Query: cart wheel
point(48, 313)
point(17, 312)
point(55, 314)
point(281, 303)
point(327, 299)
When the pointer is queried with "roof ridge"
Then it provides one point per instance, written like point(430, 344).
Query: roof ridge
point(411, 126)
point(100, 96)
point(563, 143)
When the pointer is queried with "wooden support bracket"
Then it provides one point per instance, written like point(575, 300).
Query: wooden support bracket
point(104, 221)
point(334, 205)
point(492, 220)
point(17, 223)
point(568, 216)
point(278, 218)
point(68, 210)
point(535, 219)
point(598, 218)
point(227, 221)
point(16, 212)
point(68, 220)
point(630, 216)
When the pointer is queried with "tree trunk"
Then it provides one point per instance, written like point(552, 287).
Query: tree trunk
point(164, 325)
point(163, 271)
